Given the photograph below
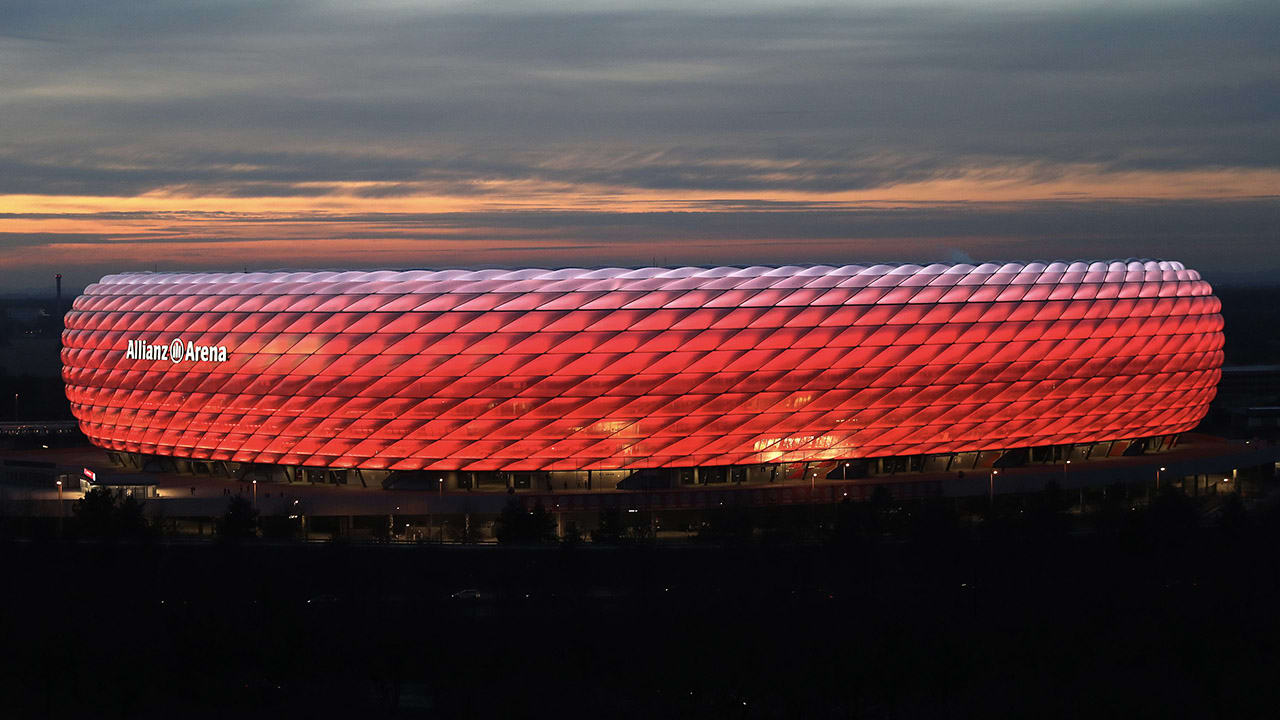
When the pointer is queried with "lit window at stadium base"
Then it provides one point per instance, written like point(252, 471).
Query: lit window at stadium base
point(617, 369)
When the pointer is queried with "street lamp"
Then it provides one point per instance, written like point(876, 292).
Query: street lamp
point(1065, 465)
point(60, 507)
point(255, 493)
point(1158, 477)
point(991, 487)
point(302, 520)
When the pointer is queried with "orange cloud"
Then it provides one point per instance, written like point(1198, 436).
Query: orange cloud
point(175, 229)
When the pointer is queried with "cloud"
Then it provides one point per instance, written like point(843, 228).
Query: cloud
point(299, 118)
point(832, 92)
point(1228, 240)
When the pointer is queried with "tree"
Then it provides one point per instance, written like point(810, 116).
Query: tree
point(572, 534)
point(95, 513)
point(519, 526)
point(1234, 518)
point(240, 521)
point(1113, 515)
point(542, 524)
point(279, 527)
point(882, 510)
point(510, 525)
point(935, 523)
point(130, 519)
point(609, 528)
point(1052, 499)
point(729, 524)
point(851, 523)
point(106, 514)
point(1172, 518)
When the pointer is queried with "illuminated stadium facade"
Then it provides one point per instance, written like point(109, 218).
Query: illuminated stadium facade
point(485, 376)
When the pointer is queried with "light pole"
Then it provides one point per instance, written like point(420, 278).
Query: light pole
point(1158, 471)
point(991, 487)
point(1065, 465)
point(60, 506)
point(255, 493)
point(302, 520)
point(441, 483)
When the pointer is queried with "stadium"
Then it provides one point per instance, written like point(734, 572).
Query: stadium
point(514, 380)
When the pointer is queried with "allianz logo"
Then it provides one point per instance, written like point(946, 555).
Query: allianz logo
point(175, 352)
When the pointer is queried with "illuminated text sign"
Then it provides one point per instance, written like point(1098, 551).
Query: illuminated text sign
point(175, 352)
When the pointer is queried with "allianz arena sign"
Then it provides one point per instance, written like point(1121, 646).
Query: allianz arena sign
point(175, 352)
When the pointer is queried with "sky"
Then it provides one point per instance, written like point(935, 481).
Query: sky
point(234, 134)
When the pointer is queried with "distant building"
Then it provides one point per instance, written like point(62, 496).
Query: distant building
point(736, 374)
point(1247, 402)
point(26, 317)
point(30, 331)
point(1249, 384)
point(138, 485)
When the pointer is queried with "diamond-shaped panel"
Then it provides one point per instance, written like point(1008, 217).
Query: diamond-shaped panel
point(629, 368)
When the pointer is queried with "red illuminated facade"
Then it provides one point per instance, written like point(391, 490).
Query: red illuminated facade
point(653, 367)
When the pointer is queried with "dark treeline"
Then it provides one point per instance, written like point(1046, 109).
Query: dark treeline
point(903, 611)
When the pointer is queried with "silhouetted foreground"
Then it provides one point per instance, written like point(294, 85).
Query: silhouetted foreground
point(1153, 613)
